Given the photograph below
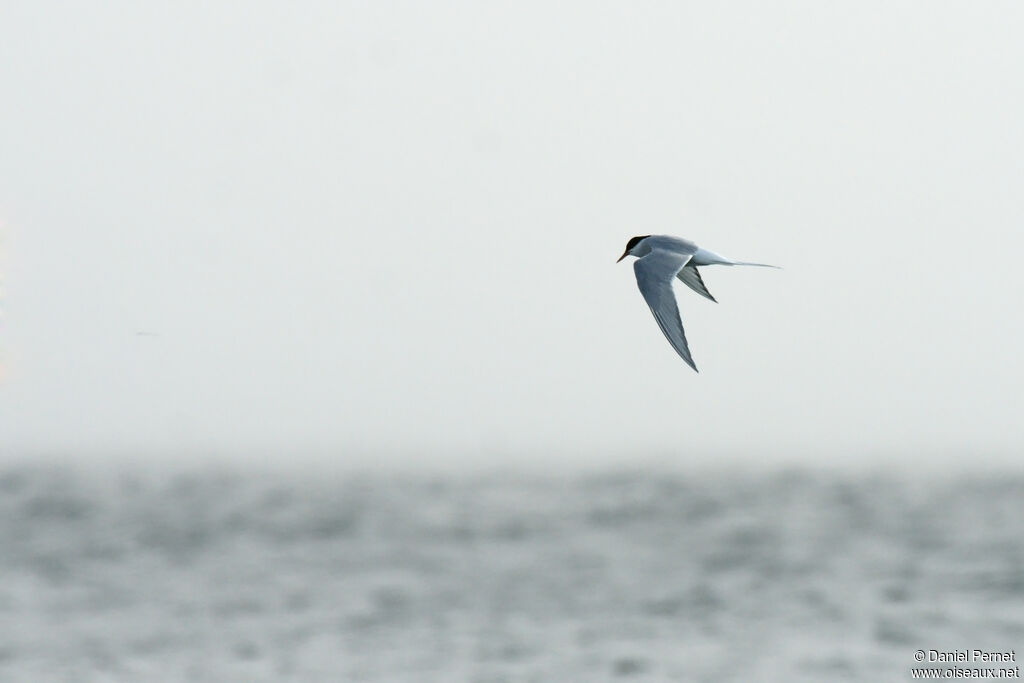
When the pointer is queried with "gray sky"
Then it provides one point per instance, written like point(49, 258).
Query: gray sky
point(390, 228)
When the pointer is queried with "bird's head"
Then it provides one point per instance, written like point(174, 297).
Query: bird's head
point(636, 247)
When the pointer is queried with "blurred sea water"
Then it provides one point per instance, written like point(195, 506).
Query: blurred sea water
point(222, 575)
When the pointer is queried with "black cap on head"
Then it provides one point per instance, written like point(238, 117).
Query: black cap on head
point(634, 241)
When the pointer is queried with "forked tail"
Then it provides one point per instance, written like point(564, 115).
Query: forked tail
point(760, 265)
point(703, 257)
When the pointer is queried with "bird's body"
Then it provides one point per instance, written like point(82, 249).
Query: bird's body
point(660, 260)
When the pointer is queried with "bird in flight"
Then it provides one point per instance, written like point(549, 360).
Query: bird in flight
point(660, 259)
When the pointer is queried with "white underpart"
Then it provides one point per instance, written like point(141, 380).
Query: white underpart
point(660, 260)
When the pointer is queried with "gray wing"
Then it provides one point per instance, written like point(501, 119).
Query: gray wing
point(654, 275)
point(691, 278)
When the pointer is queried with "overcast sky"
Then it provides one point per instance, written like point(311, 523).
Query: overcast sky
point(389, 230)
